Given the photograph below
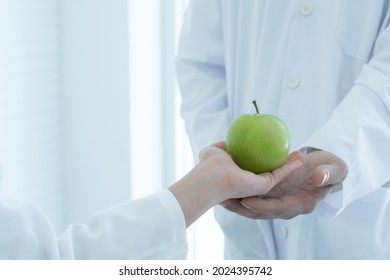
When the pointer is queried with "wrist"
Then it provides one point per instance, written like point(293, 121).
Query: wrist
point(196, 193)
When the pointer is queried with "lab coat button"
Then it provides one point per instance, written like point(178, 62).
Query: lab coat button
point(282, 232)
point(306, 8)
point(293, 81)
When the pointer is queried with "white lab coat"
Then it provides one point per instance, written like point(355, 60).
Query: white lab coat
point(149, 228)
point(324, 68)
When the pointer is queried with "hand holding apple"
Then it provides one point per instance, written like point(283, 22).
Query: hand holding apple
point(217, 178)
point(258, 142)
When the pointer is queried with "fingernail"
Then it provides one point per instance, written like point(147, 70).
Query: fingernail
point(326, 177)
point(246, 206)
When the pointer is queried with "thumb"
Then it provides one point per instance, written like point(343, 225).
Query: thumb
point(329, 174)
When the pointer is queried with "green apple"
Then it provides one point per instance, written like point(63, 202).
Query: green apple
point(258, 142)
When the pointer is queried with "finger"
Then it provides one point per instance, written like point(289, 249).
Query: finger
point(295, 155)
point(329, 174)
point(204, 153)
point(282, 172)
point(262, 183)
point(234, 205)
point(221, 145)
point(287, 208)
point(272, 206)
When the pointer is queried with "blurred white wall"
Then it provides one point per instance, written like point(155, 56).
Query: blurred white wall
point(31, 131)
point(95, 97)
point(64, 104)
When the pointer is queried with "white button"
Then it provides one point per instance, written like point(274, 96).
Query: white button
point(293, 81)
point(282, 232)
point(306, 8)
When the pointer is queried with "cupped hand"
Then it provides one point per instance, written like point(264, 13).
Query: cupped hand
point(217, 178)
point(238, 183)
point(299, 193)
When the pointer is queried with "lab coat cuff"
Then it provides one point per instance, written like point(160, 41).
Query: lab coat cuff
point(332, 205)
point(177, 219)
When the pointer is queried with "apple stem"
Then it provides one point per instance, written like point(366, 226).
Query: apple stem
point(255, 104)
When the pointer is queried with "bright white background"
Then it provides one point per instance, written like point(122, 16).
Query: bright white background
point(89, 107)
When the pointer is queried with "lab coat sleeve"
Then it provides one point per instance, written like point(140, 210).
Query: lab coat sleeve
point(359, 131)
point(201, 74)
point(148, 228)
point(25, 233)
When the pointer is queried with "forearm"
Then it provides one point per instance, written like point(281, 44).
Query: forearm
point(196, 194)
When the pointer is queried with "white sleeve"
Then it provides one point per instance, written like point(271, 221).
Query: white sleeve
point(25, 233)
point(149, 228)
point(359, 130)
point(201, 74)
